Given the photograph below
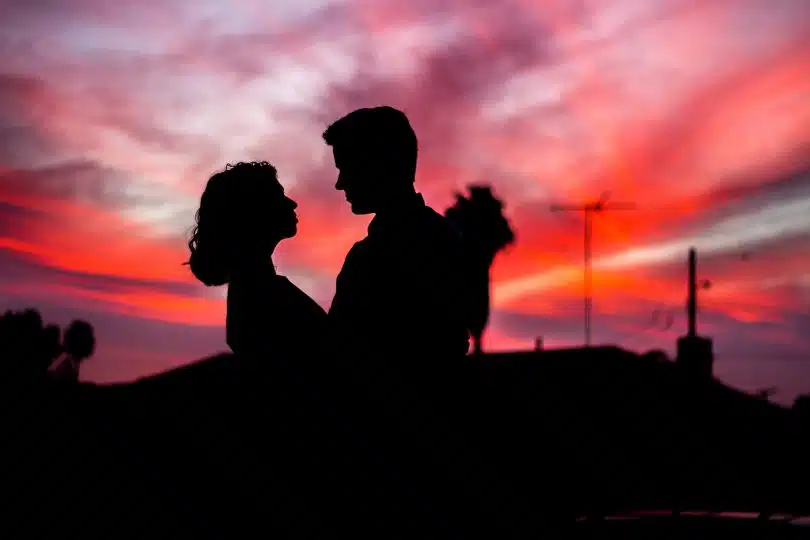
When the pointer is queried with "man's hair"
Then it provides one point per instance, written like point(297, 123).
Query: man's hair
point(382, 133)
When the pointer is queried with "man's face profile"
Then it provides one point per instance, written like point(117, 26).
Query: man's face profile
point(356, 179)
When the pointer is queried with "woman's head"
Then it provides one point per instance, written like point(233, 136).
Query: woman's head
point(243, 215)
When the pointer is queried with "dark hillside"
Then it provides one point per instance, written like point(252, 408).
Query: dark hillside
point(231, 442)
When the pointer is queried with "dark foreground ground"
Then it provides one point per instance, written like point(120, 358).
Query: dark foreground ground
point(509, 446)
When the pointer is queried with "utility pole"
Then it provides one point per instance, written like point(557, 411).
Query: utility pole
point(695, 353)
point(589, 209)
point(691, 305)
point(693, 285)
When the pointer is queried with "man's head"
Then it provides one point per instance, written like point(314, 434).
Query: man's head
point(375, 152)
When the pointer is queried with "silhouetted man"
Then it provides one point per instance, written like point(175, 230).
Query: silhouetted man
point(398, 316)
point(399, 293)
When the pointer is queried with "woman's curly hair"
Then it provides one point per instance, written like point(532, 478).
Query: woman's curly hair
point(226, 222)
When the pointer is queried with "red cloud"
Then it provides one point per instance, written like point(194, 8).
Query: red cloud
point(693, 112)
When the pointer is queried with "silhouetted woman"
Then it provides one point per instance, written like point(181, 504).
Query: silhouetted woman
point(243, 216)
point(271, 324)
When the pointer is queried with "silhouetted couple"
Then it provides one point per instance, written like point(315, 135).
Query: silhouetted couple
point(396, 334)
point(400, 293)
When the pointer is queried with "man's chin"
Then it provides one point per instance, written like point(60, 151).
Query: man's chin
point(291, 231)
point(361, 209)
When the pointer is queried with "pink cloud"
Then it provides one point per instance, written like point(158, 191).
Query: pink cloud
point(113, 117)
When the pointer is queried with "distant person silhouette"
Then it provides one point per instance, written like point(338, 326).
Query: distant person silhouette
point(79, 344)
point(399, 295)
point(243, 215)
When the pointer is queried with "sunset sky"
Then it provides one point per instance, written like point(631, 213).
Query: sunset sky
point(114, 114)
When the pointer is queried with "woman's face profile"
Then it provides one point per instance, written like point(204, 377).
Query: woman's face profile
point(283, 221)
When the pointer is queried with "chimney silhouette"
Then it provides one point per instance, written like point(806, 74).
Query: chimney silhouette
point(695, 353)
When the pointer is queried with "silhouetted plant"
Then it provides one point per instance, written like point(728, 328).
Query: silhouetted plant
point(79, 344)
point(80, 341)
point(27, 347)
point(486, 231)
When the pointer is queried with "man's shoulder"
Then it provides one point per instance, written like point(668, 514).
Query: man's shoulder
point(441, 229)
point(359, 248)
point(356, 254)
point(427, 229)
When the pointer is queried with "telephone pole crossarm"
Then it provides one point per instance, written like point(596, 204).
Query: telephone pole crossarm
point(589, 209)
